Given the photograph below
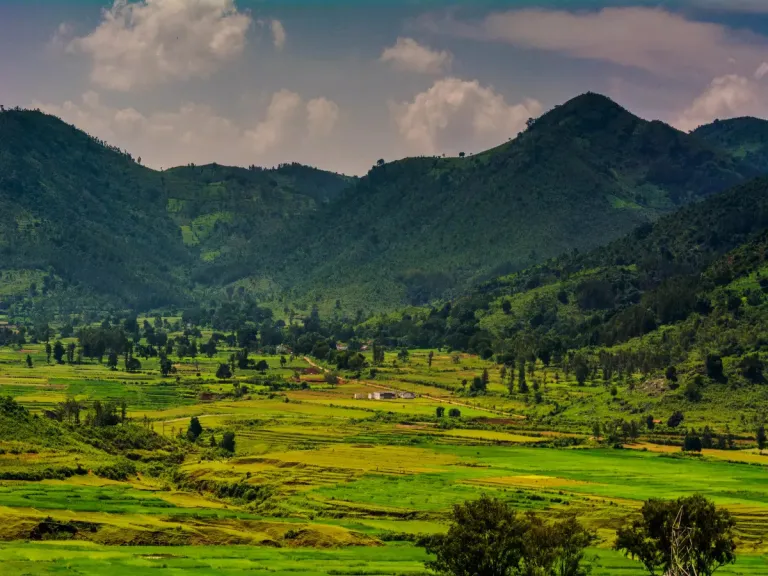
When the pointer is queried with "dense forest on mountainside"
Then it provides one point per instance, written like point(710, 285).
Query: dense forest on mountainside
point(692, 284)
point(222, 209)
point(85, 225)
point(85, 214)
point(743, 138)
point(423, 228)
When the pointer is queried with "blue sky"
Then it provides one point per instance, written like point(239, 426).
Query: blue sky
point(341, 84)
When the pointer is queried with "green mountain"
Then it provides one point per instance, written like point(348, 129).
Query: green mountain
point(423, 228)
point(85, 214)
point(691, 284)
point(84, 225)
point(744, 138)
point(222, 209)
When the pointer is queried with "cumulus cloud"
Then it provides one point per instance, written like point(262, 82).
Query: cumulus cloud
point(407, 54)
point(456, 115)
point(278, 34)
point(322, 115)
point(197, 133)
point(650, 39)
point(148, 42)
point(727, 96)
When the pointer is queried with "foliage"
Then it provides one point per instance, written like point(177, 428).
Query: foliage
point(488, 538)
point(685, 536)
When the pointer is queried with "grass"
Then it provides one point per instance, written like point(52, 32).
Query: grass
point(341, 470)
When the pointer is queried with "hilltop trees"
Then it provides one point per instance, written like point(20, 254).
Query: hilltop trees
point(684, 536)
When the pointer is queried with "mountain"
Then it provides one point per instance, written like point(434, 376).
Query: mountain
point(423, 228)
point(744, 138)
point(85, 214)
point(691, 286)
point(220, 209)
point(84, 222)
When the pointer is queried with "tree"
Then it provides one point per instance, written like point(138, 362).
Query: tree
point(402, 355)
point(29, 361)
point(195, 429)
point(112, 360)
point(262, 366)
point(478, 385)
point(283, 361)
point(430, 356)
point(485, 538)
point(692, 442)
point(48, 352)
point(506, 307)
point(676, 419)
point(58, 352)
point(488, 538)
point(228, 442)
point(649, 422)
point(461, 154)
point(223, 372)
point(454, 413)
point(751, 367)
point(761, 438)
point(439, 411)
point(714, 366)
point(684, 536)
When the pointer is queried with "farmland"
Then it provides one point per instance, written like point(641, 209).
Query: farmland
point(322, 482)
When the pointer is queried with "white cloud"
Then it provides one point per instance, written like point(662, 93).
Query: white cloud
point(196, 133)
point(649, 39)
point(761, 71)
point(278, 34)
point(456, 115)
point(407, 54)
point(726, 97)
point(322, 115)
point(149, 42)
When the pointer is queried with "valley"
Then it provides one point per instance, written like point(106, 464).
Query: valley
point(275, 371)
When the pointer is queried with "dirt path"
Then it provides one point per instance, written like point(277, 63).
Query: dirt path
point(443, 400)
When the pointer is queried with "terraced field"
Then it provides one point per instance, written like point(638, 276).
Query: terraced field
point(322, 482)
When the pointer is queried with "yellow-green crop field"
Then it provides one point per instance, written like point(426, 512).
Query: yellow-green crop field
point(323, 482)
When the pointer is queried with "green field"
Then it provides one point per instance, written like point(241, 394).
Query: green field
point(321, 481)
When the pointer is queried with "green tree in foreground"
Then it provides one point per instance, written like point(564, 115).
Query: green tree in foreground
point(488, 538)
point(684, 536)
point(29, 361)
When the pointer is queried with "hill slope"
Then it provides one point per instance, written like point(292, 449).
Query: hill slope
point(84, 221)
point(706, 261)
point(89, 213)
point(409, 231)
point(744, 138)
point(220, 208)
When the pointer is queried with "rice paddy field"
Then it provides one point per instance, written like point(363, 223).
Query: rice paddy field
point(325, 481)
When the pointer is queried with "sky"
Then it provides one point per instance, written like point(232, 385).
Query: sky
point(340, 84)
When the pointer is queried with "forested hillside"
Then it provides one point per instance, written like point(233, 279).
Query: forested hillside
point(222, 209)
point(744, 138)
point(423, 228)
point(85, 214)
point(691, 286)
point(86, 223)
